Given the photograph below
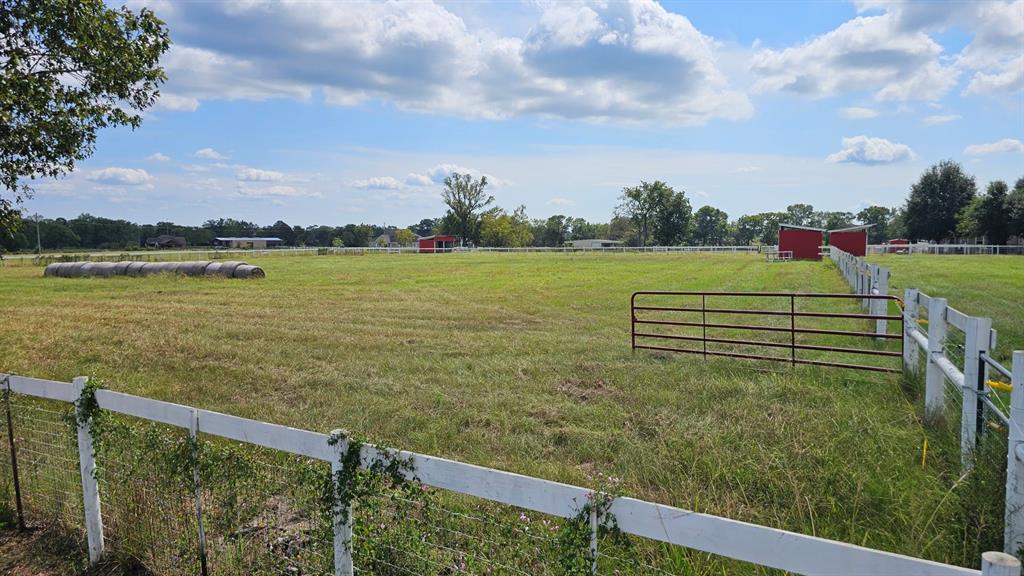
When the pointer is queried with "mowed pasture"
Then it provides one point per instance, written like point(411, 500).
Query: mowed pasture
point(520, 362)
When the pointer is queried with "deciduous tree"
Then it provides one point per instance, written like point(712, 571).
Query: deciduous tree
point(68, 69)
point(936, 200)
point(466, 198)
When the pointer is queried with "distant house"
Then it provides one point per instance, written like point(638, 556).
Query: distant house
point(389, 239)
point(166, 241)
point(242, 243)
point(593, 243)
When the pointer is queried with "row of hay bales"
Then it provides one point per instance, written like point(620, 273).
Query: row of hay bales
point(226, 269)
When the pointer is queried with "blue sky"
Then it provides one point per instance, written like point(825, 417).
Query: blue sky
point(329, 113)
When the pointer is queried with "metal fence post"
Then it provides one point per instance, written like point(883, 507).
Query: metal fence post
point(934, 384)
point(14, 454)
point(975, 342)
point(1014, 520)
point(343, 565)
point(193, 435)
point(90, 487)
point(910, 315)
point(999, 564)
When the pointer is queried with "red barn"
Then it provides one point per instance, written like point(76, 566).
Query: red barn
point(438, 243)
point(804, 242)
point(853, 240)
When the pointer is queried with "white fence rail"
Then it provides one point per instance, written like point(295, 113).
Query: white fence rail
point(962, 249)
point(780, 549)
point(864, 278)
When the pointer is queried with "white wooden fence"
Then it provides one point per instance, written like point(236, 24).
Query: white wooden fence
point(976, 337)
point(962, 249)
point(864, 278)
point(780, 549)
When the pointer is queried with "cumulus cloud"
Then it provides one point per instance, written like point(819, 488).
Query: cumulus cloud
point(413, 179)
point(630, 62)
point(998, 147)
point(175, 103)
point(209, 154)
point(993, 55)
point(257, 175)
point(158, 157)
point(872, 53)
point(120, 176)
point(858, 113)
point(866, 150)
point(941, 119)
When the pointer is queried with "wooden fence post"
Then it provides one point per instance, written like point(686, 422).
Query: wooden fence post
point(975, 342)
point(910, 315)
point(90, 487)
point(999, 564)
point(934, 383)
point(343, 565)
point(1014, 519)
point(881, 286)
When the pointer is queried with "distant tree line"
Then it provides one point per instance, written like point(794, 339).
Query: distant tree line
point(943, 205)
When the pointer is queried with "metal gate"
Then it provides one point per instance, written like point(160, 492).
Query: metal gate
point(816, 329)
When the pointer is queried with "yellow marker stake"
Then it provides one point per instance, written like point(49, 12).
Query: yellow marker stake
point(997, 385)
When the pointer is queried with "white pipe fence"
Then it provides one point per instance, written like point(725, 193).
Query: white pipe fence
point(764, 546)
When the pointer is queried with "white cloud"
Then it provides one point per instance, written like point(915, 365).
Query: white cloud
point(257, 175)
point(866, 150)
point(871, 53)
point(273, 191)
point(438, 173)
point(998, 147)
point(209, 154)
point(158, 157)
point(413, 179)
point(1010, 80)
point(629, 62)
point(858, 113)
point(120, 176)
point(941, 119)
point(377, 183)
point(559, 201)
point(176, 103)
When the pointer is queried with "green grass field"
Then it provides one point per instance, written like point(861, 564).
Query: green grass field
point(523, 362)
point(989, 286)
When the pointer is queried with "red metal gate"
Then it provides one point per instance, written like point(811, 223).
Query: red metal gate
point(785, 320)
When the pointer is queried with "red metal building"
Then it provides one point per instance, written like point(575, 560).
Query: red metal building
point(853, 239)
point(804, 242)
point(438, 243)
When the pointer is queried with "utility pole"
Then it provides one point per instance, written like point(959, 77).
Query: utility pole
point(39, 244)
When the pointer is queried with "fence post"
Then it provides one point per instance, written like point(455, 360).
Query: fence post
point(342, 512)
point(1014, 519)
point(999, 564)
point(975, 342)
point(934, 384)
point(593, 538)
point(910, 315)
point(14, 454)
point(882, 306)
point(193, 435)
point(87, 467)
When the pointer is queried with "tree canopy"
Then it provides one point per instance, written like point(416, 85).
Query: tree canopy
point(466, 198)
point(936, 200)
point(68, 70)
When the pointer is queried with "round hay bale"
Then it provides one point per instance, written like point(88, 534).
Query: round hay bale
point(249, 271)
point(103, 269)
point(150, 268)
point(85, 270)
point(192, 268)
point(121, 268)
point(54, 269)
point(213, 269)
point(134, 269)
point(227, 269)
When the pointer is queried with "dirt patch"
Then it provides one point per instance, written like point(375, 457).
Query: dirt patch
point(585, 390)
point(39, 552)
